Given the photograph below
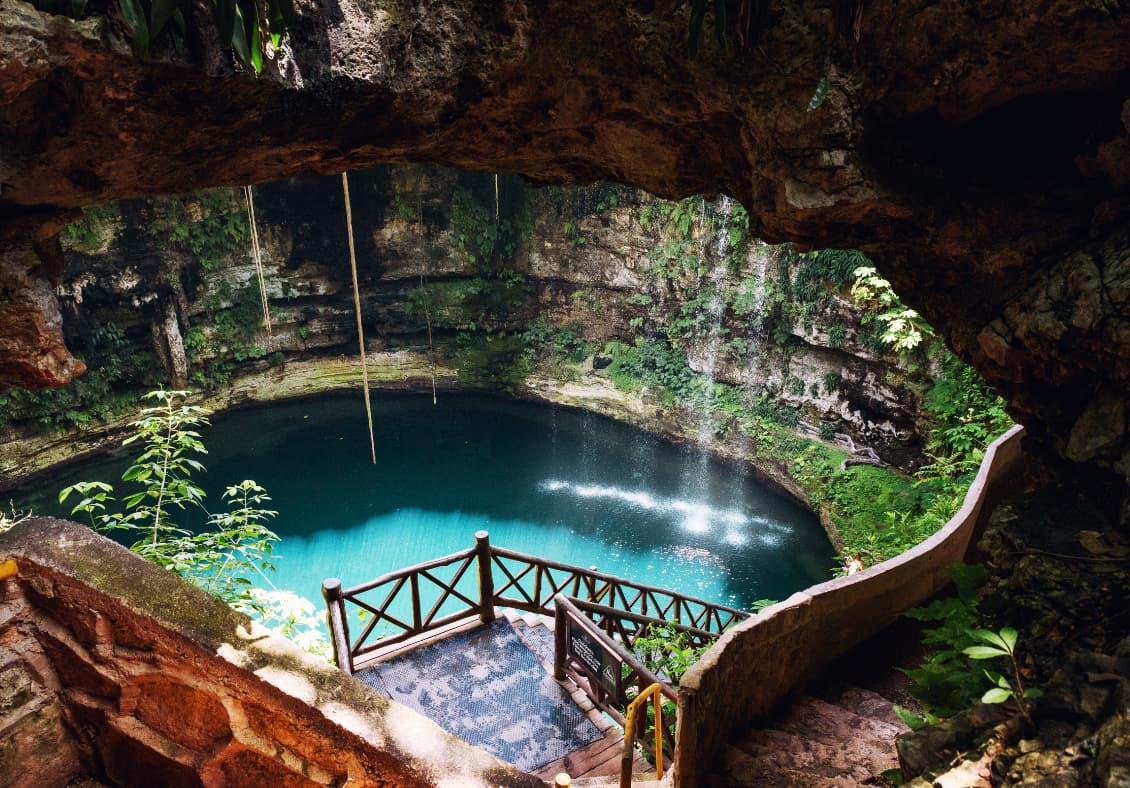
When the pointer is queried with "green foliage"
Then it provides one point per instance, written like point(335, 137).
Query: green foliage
point(968, 416)
point(233, 547)
point(1002, 644)
point(572, 232)
point(403, 209)
point(291, 615)
point(903, 328)
point(490, 359)
point(472, 232)
point(948, 680)
point(556, 345)
point(667, 651)
point(699, 317)
point(156, 25)
point(654, 362)
point(825, 271)
point(90, 231)
point(469, 304)
point(819, 95)
point(837, 335)
point(211, 225)
point(113, 365)
point(945, 682)
point(589, 300)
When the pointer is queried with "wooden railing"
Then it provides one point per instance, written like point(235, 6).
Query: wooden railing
point(509, 579)
point(613, 690)
point(598, 619)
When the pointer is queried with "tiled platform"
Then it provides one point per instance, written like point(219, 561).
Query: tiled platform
point(487, 686)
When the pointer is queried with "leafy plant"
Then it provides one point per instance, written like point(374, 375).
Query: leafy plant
point(244, 26)
point(996, 645)
point(740, 20)
point(221, 558)
point(667, 651)
point(292, 616)
point(903, 328)
point(945, 682)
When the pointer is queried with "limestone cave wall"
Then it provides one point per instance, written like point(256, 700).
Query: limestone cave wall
point(165, 291)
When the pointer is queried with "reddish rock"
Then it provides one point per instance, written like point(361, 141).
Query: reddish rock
point(190, 717)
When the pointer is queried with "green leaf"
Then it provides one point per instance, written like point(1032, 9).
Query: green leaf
point(256, 44)
point(996, 695)
point(910, 719)
point(134, 14)
point(225, 14)
point(1033, 693)
point(1008, 635)
point(993, 638)
point(159, 14)
point(984, 652)
point(239, 38)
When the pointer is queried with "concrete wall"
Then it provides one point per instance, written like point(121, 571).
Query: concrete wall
point(114, 668)
point(751, 667)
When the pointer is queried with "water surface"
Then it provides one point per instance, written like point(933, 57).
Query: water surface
point(559, 483)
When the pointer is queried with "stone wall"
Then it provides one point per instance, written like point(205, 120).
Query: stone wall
point(755, 664)
point(116, 669)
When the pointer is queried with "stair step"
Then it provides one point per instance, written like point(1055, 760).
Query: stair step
point(860, 760)
point(830, 723)
point(741, 770)
point(866, 703)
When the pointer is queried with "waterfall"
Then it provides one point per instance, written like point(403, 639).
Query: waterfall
point(698, 477)
point(760, 257)
point(716, 311)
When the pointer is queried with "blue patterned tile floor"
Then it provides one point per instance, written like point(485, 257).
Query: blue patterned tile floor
point(487, 687)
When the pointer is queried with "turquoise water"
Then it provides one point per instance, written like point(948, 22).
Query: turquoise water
point(558, 483)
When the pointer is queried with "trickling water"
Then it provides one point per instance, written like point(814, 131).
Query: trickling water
point(759, 254)
point(559, 483)
point(716, 309)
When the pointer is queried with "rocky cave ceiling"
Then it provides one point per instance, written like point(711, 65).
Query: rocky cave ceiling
point(978, 150)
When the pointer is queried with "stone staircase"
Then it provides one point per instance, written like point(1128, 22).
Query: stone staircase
point(838, 738)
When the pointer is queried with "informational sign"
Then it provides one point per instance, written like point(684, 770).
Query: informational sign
point(601, 662)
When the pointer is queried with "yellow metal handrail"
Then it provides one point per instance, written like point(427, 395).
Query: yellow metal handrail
point(655, 690)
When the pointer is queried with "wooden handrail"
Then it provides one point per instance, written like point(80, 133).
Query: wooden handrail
point(612, 599)
point(388, 577)
point(564, 666)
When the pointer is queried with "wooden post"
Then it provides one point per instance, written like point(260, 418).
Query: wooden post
point(417, 616)
point(486, 577)
point(338, 625)
point(560, 624)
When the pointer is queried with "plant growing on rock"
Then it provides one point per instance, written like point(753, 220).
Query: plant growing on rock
point(221, 558)
point(996, 645)
point(903, 328)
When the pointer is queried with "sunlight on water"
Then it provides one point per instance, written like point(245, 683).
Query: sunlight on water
point(556, 483)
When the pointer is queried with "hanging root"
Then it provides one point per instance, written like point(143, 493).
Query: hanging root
point(428, 319)
point(263, 302)
point(357, 311)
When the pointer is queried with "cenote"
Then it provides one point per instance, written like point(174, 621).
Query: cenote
point(559, 483)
